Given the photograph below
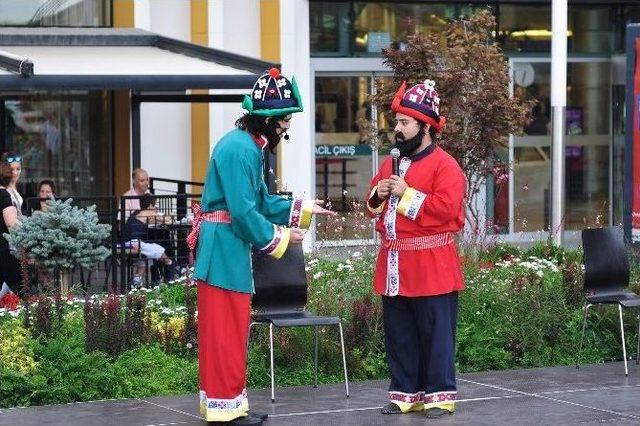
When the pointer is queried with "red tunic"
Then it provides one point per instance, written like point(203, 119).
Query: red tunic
point(418, 256)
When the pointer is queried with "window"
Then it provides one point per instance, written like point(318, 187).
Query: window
point(364, 28)
point(64, 136)
point(55, 13)
point(523, 28)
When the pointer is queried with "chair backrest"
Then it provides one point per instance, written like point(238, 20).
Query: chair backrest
point(280, 284)
point(606, 265)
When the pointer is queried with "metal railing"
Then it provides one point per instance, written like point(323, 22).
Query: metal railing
point(165, 228)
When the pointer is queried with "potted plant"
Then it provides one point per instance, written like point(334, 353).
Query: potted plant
point(61, 238)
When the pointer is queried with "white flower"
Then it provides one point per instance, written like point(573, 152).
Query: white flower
point(356, 254)
point(189, 345)
point(318, 275)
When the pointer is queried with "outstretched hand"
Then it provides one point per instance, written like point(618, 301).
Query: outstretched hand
point(318, 209)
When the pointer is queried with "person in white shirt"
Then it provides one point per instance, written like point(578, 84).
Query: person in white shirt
point(140, 186)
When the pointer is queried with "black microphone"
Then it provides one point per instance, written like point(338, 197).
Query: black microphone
point(395, 157)
point(285, 135)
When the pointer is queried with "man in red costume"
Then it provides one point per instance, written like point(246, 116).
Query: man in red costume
point(418, 272)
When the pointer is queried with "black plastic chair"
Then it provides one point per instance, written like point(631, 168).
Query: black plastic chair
point(279, 301)
point(606, 278)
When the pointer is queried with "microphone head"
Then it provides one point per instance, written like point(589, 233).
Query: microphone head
point(286, 136)
point(395, 153)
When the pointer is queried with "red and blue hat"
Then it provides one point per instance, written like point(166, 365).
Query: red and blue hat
point(420, 102)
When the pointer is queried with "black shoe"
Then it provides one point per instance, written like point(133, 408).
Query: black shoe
point(261, 416)
point(391, 408)
point(172, 272)
point(245, 421)
point(435, 412)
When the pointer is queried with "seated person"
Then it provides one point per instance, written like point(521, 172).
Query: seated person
point(139, 187)
point(137, 229)
point(46, 189)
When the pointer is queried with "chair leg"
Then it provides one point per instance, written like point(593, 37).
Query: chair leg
point(273, 382)
point(584, 323)
point(344, 361)
point(624, 345)
point(638, 348)
point(315, 357)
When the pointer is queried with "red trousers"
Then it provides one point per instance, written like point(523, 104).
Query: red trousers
point(223, 327)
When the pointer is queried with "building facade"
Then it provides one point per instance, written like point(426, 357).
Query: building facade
point(334, 50)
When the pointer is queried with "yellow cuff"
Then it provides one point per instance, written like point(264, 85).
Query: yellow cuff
point(223, 410)
point(449, 406)
point(224, 415)
point(409, 204)
point(407, 407)
point(306, 213)
point(281, 247)
point(380, 208)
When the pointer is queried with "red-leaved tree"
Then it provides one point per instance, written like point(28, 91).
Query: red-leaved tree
point(472, 79)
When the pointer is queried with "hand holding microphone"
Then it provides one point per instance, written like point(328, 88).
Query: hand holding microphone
point(395, 184)
point(395, 161)
point(384, 185)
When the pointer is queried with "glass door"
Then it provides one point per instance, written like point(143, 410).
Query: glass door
point(587, 159)
point(345, 161)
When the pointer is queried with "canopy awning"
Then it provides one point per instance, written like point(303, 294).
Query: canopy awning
point(111, 58)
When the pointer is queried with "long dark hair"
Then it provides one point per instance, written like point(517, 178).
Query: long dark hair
point(47, 182)
point(432, 133)
point(258, 125)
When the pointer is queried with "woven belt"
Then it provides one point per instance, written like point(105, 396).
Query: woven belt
point(217, 216)
point(419, 243)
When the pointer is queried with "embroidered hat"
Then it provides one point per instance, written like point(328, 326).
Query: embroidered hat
point(273, 94)
point(420, 102)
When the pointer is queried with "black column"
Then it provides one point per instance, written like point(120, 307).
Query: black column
point(135, 131)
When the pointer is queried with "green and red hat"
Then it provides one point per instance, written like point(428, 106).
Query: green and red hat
point(273, 94)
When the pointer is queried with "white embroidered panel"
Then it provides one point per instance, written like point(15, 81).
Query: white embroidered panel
point(393, 272)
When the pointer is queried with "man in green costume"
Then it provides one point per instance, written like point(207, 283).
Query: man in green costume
point(237, 213)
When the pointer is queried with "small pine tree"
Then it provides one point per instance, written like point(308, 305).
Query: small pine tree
point(62, 237)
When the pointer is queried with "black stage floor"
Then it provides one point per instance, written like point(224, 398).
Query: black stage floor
point(594, 394)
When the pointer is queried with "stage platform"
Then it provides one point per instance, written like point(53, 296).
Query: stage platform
point(594, 394)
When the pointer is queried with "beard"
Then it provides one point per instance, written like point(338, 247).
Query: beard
point(407, 146)
point(271, 133)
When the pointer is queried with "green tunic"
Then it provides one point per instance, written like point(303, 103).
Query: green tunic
point(235, 183)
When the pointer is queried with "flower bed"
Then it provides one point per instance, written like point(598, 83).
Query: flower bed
point(520, 309)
